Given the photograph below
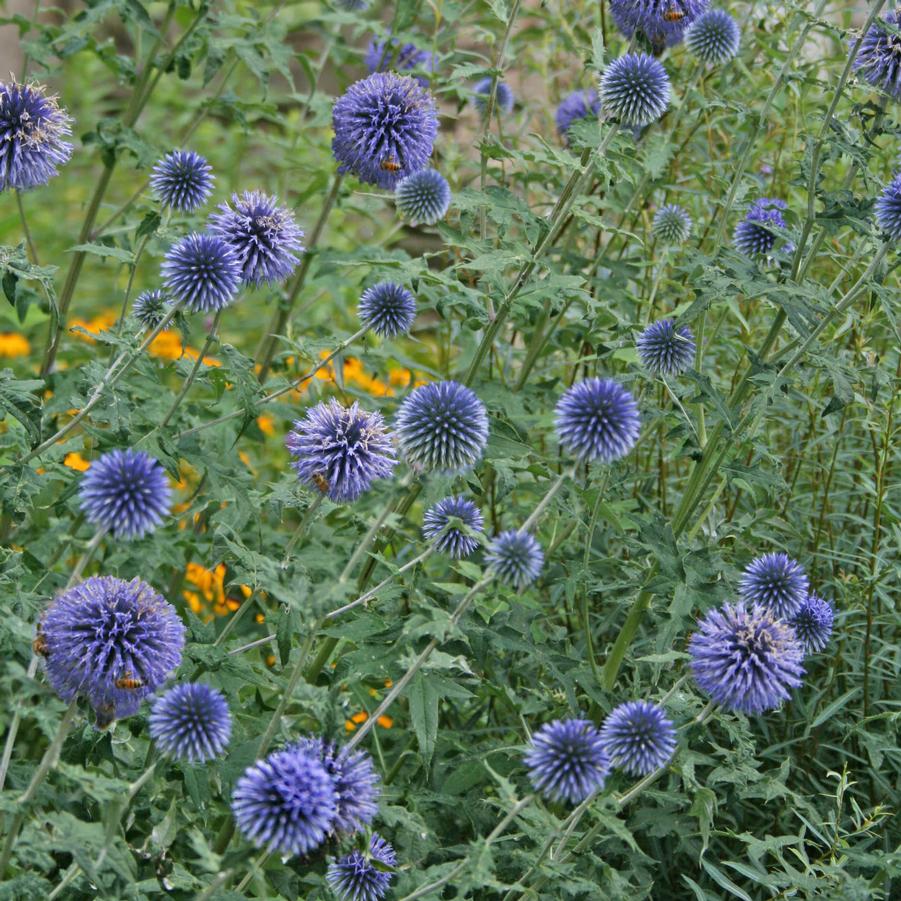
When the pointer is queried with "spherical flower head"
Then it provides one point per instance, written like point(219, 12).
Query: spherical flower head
point(714, 37)
point(888, 209)
point(385, 126)
point(516, 558)
point(285, 802)
point(126, 492)
point(597, 419)
point(635, 89)
point(503, 96)
point(813, 623)
point(149, 308)
point(356, 783)
point(754, 234)
point(639, 737)
point(575, 106)
point(191, 722)
point(745, 658)
point(665, 348)
point(567, 760)
point(182, 180)
point(878, 58)
point(111, 641)
point(661, 22)
point(672, 224)
point(776, 582)
point(423, 196)
point(354, 878)
point(388, 309)
point(202, 272)
point(32, 132)
point(341, 450)
point(438, 526)
point(443, 427)
point(382, 56)
point(264, 236)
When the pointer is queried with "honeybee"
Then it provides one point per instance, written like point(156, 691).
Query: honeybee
point(129, 682)
point(320, 481)
point(673, 14)
point(39, 645)
point(106, 713)
point(390, 165)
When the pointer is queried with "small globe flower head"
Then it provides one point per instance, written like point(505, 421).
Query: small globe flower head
point(354, 878)
point(503, 96)
point(714, 38)
point(263, 235)
point(112, 642)
point(285, 802)
point(878, 59)
point(745, 658)
point(341, 450)
point(516, 558)
point(191, 722)
point(352, 6)
point(597, 419)
point(32, 132)
point(202, 272)
point(661, 22)
point(388, 309)
point(439, 528)
point(423, 197)
point(567, 760)
point(635, 89)
point(672, 224)
point(576, 106)
point(442, 426)
point(888, 209)
point(149, 308)
point(776, 582)
point(665, 348)
point(385, 126)
point(813, 623)
point(639, 737)
point(182, 180)
point(754, 235)
point(382, 56)
point(126, 492)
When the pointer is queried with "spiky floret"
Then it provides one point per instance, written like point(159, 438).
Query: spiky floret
point(388, 309)
point(878, 59)
point(442, 426)
point(385, 126)
point(423, 196)
point(661, 22)
point(33, 128)
point(450, 539)
point(202, 272)
point(575, 106)
point(639, 737)
point(149, 308)
point(567, 760)
point(672, 224)
point(355, 878)
point(516, 558)
point(341, 450)
point(754, 234)
point(597, 419)
point(776, 582)
point(665, 348)
point(503, 96)
point(182, 180)
point(384, 55)
point(126, 492)
point(191, 722)
point(635, 89)
point(745, 658)
point(714, 38)
point(112, 642)
point(813, 623)
point(888, 209)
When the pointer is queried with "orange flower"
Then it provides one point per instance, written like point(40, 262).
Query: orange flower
point(74, 460)
point(97, 324)
point(206, 591)
point(12, 344)
point(266, 423)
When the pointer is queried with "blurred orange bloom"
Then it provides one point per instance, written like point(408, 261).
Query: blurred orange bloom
point(12, 344)
point(74, 460)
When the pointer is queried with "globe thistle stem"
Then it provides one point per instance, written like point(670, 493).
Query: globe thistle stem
point(302, 527)
point(32, 250)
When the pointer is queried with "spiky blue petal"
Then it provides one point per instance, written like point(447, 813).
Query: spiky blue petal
point(203, 272)
point(813, 623)
point(776, 582)
point(451, 539)
point(149, 308)
point(354, 878)
point(575, 106)
point(423, 196)
point(182, 180)
point(191, 722)
point(635, 89)
point(382, 57)
point(388, 309)
point(567, 760)
point(639, 737)
point(516, 558)
point(672, 224)
point(878, 59)
point(714, 38)
point(888, 209)
point(661, 22)
point(503, 96)
point(754, 235)
point(665, 348)
point(597, 419)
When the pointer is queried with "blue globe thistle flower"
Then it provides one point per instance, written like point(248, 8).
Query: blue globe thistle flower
point(182, 179)
point(380, 57)
point(567, 760)
point(111, 641)
point(191, 722)
point(662, 22)
point(776, 582)
point(125, 491)
point(149, 308)
point(423, 196)
point(635, 89)
point(354, 878)
point(352, 6)
point(714, 37)
point(385, 126)
point(263, 235)
point(575, 106)
point(813, 623)
point(745, 658)
point(754, 234)
point(878, 59)
point(597, 419)
point(388, 309)
point(449, 539)
point(32, 132)
point(442, 426)
point(285, 802)
point(665, 348)
point(639, 737)
point(503, 96)
point(516, 558)
point(672, 224)
point(203, 272)
point(888, 209)
point(355, 780)
point(341, 450)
